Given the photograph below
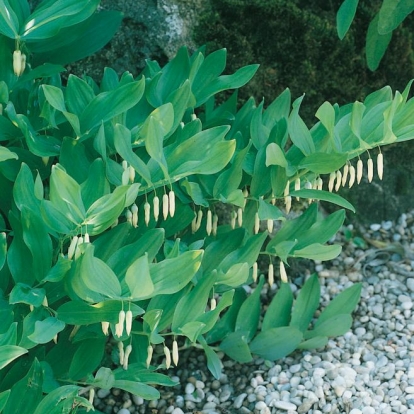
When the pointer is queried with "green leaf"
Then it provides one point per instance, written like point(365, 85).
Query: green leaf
point(192, 330)
point(345, 302)
point(141, 390)
point(55, 399)
point(317, 251)
point(46, 21)
point(3, 249)
point(234, 81)
point(6, 154)
point(78, 94)
point(306, 304)
point(213, 361)
point(298, 131)
point(9, 23)
point(235, 345)
point(139, 280)
point(98, 276)
point(324, 196)
point(323, 163)
point(107, 105)
point(4, 396)
point(275, 155)
point(314, 343)
point(104, 378)
point(279, 311)
point(183, 267)
point(10, 336)
point(26, 393)
point(236, 276)
point(321, 231)
point(260, 184)
point(22, 293)
point(268, 211)
point(78, 41)
point(46, 330)
point(392, 13)
point(87, 358)
point(249, 314)
point(9, 353)
point(334, 326)
point(258, 132)
point(345, 16)
point(376, 44)
point(276, 343)
point(65, 194)
point(80, 313)
point(196, 300)
point(122, 141)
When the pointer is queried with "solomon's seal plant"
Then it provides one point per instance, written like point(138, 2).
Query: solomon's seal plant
point(113, 257)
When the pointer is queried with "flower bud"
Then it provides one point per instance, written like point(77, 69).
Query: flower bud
point(345, 174)
point(360, 168)
point(194, 223)
point(128, 351)
point(167, 357)
point(370, 165)
point(131, 170)
point(55, 339)
point(175, 352)
point(215, 222)
point(45, 303)
point(119, 327)
point(287, 188)
point(233, 220)
point(31, 307)
point(171, 200)
point(17, 62)
point(165, 206)
point(288, 203)
point(147, 213)
point(128, 216)
point(254, 271)
point(72, 247)
point(199, 219)
point(256, 223)
point(125, 177)
point(156, 206)
point(124, 165)
point(86, 238)
point(77, 250)
point(209, 224)
point(23, 64)
point(351, 176)
point(45, 160)
point(115, 223)
point(240, 217)
point(319, 184)
point(213, 304)
point(338, 180)
point(308, 186)
point(193, 117)
point(105, 328)
point(128, 322)
point(283, 274)
point(121, 352)
point(331, 182)
point(134, 219)
point(270, 223)
point(380, 165)
point(245, 194)
point(271, 274)
point(91, 396)
point(297, 186)
point(150, 351)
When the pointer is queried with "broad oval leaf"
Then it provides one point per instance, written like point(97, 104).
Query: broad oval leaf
point(9, 353)
point(276, 343)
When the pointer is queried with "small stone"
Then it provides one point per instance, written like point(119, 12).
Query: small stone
point(260, 405)
point(225, 395)
point(368, 410)
point(305, 407)
point(238, 402)
point(285, 405)
point(124, 411)
point(177, 410)
point(103, 393)
point(410, 284)
point(355, 411)
point(189, 388)
point(375, 227)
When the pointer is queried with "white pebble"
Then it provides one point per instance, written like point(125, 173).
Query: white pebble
point(355, 411)
point(189, 388)
point(124, 411)
point(177, 410)
point(238, 402)
point(285, 405)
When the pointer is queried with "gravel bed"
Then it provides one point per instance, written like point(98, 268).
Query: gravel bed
point(368, 370)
